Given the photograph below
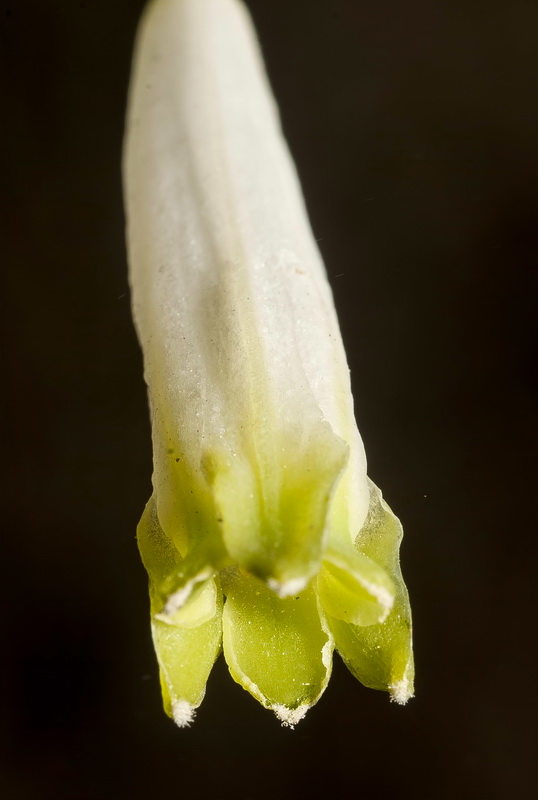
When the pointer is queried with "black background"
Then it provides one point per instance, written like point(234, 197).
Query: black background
point(414, 126)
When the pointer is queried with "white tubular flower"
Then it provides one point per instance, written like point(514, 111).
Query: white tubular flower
point(263, 532)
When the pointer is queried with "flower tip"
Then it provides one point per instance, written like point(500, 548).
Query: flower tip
point(183, 713)
point(289, 717)
point(385, 600)
point(401, 691)
point(174, 604)
point(291, 587)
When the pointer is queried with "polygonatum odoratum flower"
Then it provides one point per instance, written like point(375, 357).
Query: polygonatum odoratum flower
point(263, 536)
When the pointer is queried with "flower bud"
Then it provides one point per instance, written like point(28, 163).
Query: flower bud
point(263, 531)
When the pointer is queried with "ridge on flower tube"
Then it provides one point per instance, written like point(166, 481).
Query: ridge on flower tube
point(263, 537)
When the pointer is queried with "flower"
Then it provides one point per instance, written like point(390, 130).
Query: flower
point(264, 535)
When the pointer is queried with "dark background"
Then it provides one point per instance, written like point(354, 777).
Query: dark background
point(414, 126)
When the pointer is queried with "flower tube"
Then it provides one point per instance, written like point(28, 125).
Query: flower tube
point(263, 535)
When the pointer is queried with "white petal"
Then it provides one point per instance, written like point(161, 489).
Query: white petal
point(243, 354)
